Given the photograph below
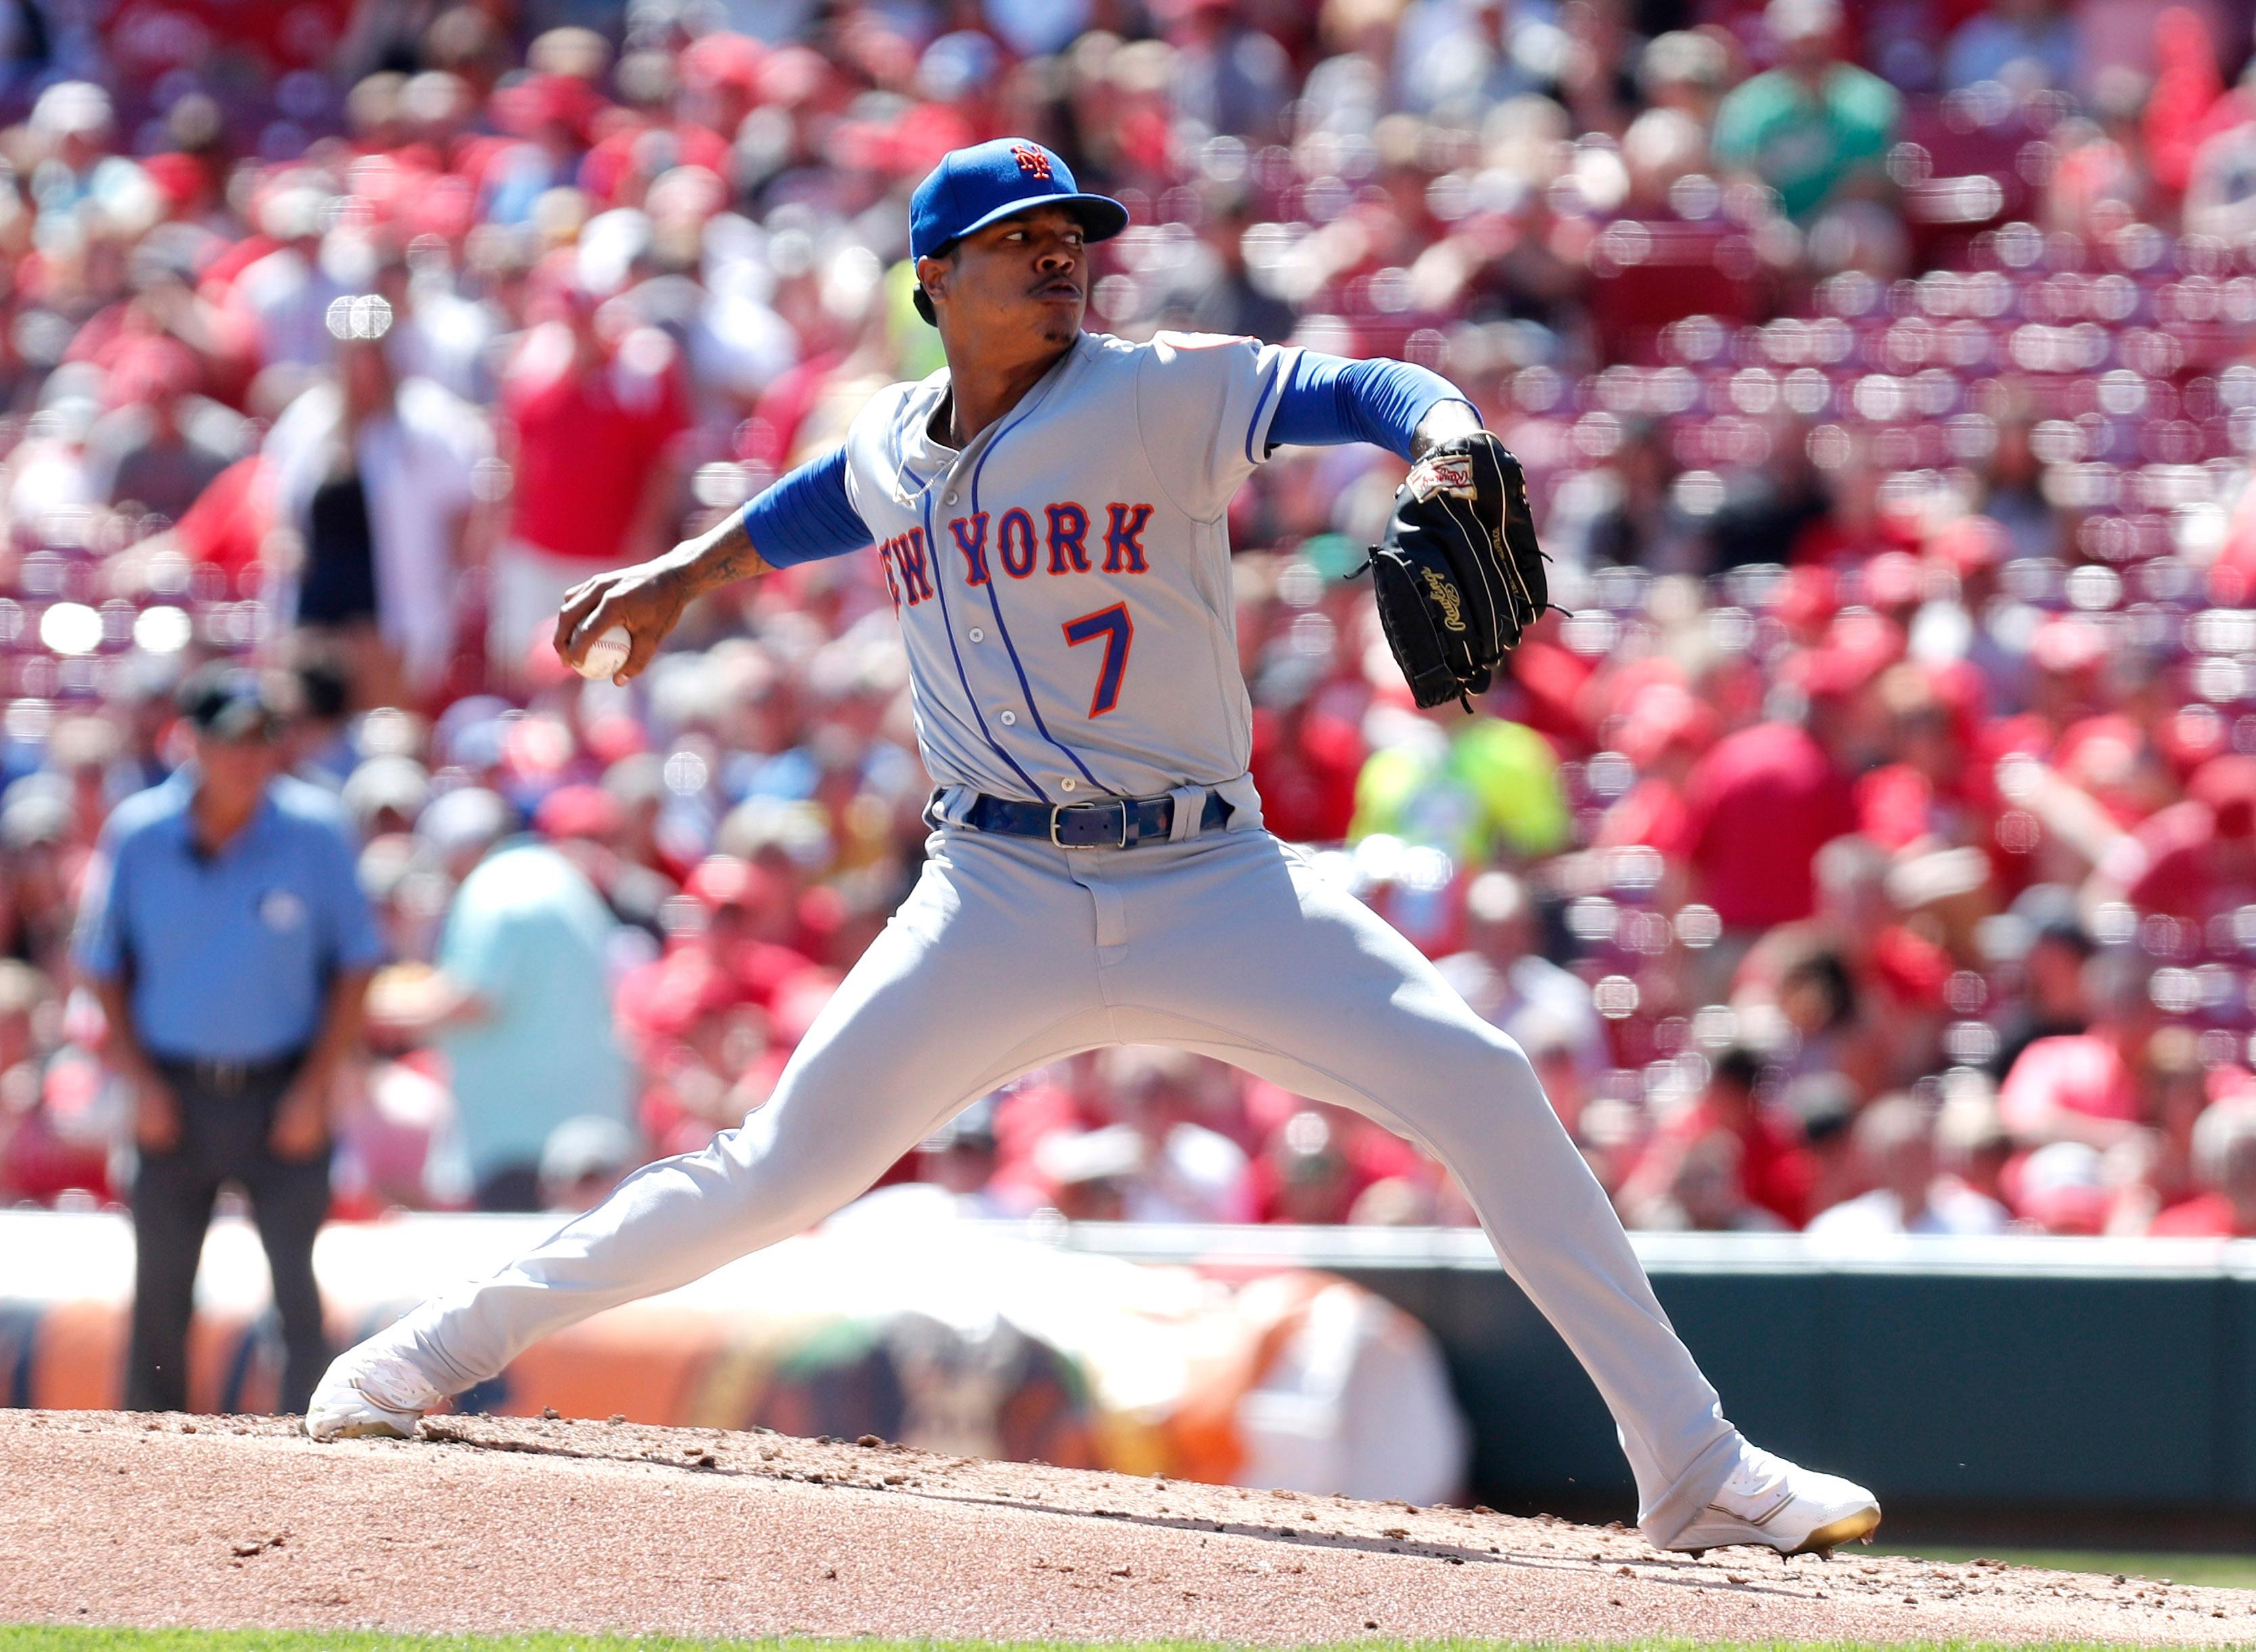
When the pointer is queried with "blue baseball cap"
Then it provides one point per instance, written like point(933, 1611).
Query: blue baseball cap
point(974, 188)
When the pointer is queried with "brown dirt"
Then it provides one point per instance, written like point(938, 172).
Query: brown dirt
point(498, 1524)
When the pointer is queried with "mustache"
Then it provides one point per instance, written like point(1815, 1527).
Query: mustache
point(1052, 283)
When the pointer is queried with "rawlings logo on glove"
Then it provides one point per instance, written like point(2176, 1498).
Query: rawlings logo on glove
point(1445, 598)
point(1447, 474)
point(1459, 576)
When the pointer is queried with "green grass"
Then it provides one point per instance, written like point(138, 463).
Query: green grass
point(2209, 1572)
point(71, 1638)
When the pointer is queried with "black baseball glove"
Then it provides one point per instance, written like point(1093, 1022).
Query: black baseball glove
point(1459, 577)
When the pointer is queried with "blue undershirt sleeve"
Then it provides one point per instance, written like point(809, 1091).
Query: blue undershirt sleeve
point(1331, 401)
point(807, 516)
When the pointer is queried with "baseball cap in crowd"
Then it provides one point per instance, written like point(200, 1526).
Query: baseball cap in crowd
point(2063, 1187)
point(150, 370)
point(35, 812)
point(1802, 20)
point(386, 794)
point(234, 703)
point(579, 810)
point(2053, 912)
point(465, 822)
point(72, 108)
point(583, 1156)
point(974, 188)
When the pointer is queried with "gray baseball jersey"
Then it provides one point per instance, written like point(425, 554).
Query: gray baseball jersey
point(1064, 593)
point(1063, 581)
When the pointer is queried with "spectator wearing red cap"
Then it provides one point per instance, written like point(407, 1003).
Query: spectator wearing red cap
point(587, 826)
point(752, 929)
point(549, 114)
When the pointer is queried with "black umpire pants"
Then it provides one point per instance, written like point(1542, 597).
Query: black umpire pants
point(224, 1120)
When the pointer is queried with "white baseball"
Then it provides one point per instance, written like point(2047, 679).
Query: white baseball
point(605, 655)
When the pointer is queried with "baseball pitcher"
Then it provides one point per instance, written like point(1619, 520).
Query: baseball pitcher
point(1050, 512)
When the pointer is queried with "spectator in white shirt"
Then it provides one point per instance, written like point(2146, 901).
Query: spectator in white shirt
point(1187, 1171)
point(1895, 1140)
point(1515, 988)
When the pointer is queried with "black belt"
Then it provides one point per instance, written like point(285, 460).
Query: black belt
point(227, 1077)
point(1114, 822)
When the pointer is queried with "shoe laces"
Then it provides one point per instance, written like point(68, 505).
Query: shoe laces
point(395, 1384)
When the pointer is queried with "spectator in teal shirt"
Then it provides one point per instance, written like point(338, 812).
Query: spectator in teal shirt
point(520, 1001)
point(1815, 129)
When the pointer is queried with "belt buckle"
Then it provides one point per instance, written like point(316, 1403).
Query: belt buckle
point(1058, 812)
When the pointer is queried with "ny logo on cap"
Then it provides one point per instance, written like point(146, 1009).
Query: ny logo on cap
point(1031, 161)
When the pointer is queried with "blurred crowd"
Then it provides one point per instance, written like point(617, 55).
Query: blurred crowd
point(1869, 845)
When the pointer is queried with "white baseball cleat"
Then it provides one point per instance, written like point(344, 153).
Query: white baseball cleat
point(369, 1391)
point(1781, 1505)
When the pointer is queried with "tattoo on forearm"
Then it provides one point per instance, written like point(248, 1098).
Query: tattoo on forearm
point(728, 555)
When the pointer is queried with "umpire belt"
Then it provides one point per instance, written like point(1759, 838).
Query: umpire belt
point(1113, 822)
point(227, 1077)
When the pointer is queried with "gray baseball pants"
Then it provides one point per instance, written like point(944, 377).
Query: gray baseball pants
point(1010, 954)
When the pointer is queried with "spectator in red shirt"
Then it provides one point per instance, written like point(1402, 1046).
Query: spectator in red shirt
point(1773, 1167)
point(2085, 1087)
point(1664, 730)
point(1760, 806)
point(594, 406)
point(2195, 859)
point(2224, 1162)
point(1306, 754)
point(1307, 1173)
point(1893, 1002)
point(1706, 1192)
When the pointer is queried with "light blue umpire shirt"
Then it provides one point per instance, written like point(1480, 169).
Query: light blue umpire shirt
point(228, 957)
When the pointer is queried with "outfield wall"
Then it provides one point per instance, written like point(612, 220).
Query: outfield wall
point(2050, 1388)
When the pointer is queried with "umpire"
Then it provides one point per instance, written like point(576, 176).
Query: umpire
point(231, 946)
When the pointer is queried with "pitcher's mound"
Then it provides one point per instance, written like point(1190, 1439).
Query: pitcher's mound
point(494, 1524)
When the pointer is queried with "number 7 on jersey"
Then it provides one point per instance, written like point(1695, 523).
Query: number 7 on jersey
point(1118, 630)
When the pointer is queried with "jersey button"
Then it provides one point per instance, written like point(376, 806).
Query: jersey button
point(1009, 718)
point(978, 635)
point(1068, 786)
